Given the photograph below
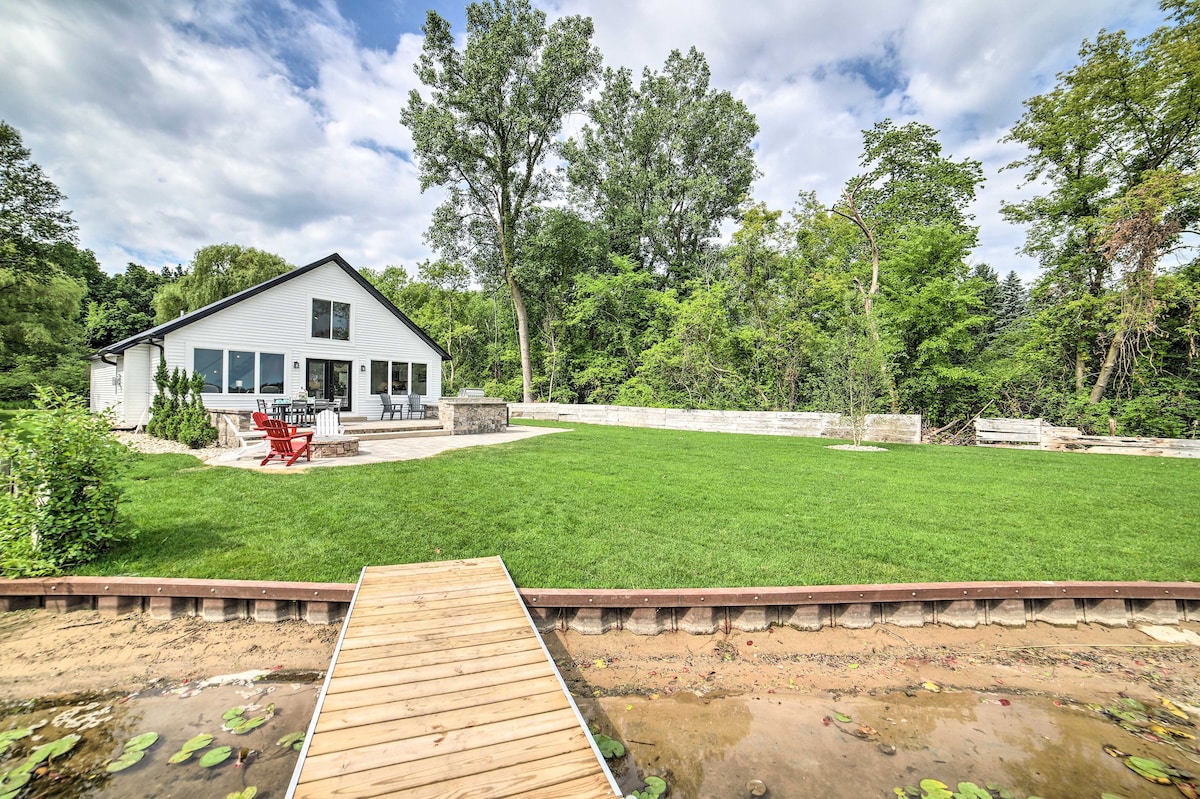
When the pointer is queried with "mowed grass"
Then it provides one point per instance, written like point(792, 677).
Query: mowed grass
point(612, 507)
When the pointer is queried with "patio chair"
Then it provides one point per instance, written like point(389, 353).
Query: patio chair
point(286, 443)
point(262, 406)
point(415, 408)
point(327, 424)
point(247, 439)
point(389, 407)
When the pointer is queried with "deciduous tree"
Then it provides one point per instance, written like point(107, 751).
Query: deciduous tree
point(494, 110)
point(216, 272)
point(661, 166)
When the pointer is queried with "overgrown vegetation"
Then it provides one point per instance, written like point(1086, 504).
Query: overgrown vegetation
point(177, 412)
point(61, 489)
point(611, 507)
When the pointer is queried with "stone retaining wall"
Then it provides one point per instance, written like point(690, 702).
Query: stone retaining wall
point(649, 612)
point(899, 428)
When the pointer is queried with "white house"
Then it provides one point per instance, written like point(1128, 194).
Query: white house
point(321, 328)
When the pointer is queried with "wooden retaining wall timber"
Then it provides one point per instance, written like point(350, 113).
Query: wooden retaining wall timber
point(699, 611)
point(898, 428)
point(1036, 434)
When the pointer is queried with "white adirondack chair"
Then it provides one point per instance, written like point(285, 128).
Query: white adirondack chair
point(327, 424)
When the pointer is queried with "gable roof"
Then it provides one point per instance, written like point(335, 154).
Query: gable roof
point(158, 331)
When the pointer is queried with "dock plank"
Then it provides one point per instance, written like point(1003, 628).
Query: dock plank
point(441, 687)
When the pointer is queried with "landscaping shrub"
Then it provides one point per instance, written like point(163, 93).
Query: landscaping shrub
point(177, 411)
point(61, 489)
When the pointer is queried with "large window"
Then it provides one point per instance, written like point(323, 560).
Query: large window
point(399, 377)
point(233, 372)
point(331, 319)
point(209, 363)
point(241, 372)
point(379, 377)
point(270, 373)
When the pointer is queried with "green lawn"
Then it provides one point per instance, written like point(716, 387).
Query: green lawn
point(603, 507)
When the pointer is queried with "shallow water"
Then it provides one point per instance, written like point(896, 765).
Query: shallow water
point(177, 716)
point(712, 748)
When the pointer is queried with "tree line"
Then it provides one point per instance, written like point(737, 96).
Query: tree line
point(591, 268)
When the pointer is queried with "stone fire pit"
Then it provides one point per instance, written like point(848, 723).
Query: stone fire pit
point(333, 447)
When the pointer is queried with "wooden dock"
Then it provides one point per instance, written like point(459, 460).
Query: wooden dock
point(441, 687)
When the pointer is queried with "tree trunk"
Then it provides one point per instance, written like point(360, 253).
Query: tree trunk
point(522, 339)
point(1106, 369)
point(1080, 361)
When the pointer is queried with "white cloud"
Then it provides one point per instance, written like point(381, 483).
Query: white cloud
point(171, 126)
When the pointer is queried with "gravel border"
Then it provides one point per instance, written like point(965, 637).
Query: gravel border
point(141, 442)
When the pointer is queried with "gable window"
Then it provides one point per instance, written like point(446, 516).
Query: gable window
point(331, 319)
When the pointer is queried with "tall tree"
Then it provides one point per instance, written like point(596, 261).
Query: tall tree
point(31, 217)
point(494, 111)
point(123, 305)
point(1127, 114)
point(1014, 301)
point(907, 184)
point(661, 166)
point(216, 272)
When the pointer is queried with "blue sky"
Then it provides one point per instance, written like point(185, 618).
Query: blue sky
point(172, 125)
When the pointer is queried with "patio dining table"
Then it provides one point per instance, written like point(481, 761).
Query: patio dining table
point(301, 411)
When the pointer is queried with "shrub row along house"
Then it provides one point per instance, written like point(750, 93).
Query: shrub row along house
point(321, 329)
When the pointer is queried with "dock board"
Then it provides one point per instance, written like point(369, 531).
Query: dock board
point(441, 687)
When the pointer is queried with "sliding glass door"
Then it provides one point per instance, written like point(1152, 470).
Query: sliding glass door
point(329, 380)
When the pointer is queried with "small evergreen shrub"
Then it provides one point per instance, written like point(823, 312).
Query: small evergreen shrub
point(177, 412)
point(61, 490)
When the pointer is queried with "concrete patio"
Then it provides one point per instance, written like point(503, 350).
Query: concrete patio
point(381, 442)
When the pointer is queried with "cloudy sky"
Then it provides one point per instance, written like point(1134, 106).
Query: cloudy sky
point(171, 125)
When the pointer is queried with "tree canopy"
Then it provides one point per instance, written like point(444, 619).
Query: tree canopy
point(490, 123)
point(216, 272)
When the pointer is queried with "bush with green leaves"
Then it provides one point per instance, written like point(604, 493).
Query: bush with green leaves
point(177, 412)
point(61, 486)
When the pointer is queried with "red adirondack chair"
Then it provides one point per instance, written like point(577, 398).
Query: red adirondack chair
point(286, 442)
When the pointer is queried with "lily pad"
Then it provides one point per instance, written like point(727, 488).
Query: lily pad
point(54, 748)
point(9, 737)
point(292, 739)
point(232, 713)
point(842, 717)
point(199, 742)
point(181, 756)
point(216, 756)
point(247, 793)
point(127, 759)
point(15, 781)
point(969, 790)
point(248, 725)
point(609, 747)
point(141, 742)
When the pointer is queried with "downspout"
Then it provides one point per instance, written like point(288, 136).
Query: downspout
point(162, 354)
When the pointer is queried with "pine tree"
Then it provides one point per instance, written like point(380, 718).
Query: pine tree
point(1014, 301)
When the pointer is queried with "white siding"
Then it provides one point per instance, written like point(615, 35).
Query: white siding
point(105, 389)
point(138, 382)
point(278, 320)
